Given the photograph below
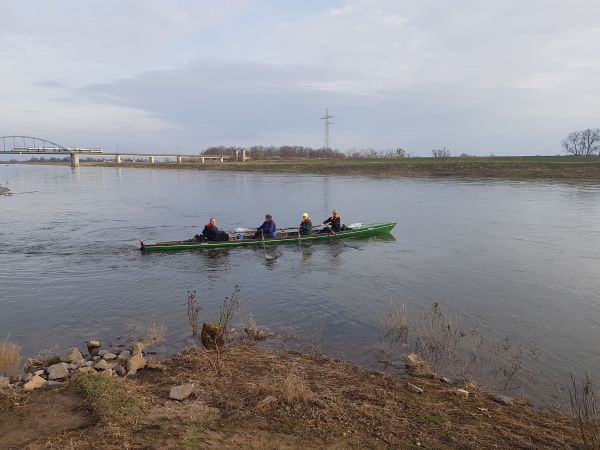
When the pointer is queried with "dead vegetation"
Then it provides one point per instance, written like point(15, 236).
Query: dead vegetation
point(584, 408)
point(10, 358)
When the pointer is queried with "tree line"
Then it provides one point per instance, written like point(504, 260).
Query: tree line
point(259, 152)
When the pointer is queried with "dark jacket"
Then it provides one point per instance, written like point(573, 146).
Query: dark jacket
point(268, 228)
point(334, 224)
point(212, 233)
point(306, 226)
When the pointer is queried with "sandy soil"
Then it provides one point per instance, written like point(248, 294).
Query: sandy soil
point(251, 398)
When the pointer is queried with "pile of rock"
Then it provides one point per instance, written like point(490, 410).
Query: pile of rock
point(117, 362)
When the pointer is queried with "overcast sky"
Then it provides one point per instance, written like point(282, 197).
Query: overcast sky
point(504, 77)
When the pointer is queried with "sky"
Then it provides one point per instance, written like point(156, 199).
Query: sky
point(481, 77)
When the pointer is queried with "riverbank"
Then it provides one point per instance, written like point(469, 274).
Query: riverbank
point(530, 167)
point(254, 398)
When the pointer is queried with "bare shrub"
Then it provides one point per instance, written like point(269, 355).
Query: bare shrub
point(193, 310)
point(444, 341)
point(584, 408)
point(10, 358)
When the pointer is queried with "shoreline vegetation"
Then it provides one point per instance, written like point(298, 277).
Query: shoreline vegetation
point(521, 167)
point(247, 396)
point(4, 190)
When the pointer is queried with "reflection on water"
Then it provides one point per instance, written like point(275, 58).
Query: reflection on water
point(518, 260)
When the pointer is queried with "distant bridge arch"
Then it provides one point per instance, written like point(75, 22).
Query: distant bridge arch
point(33, 141)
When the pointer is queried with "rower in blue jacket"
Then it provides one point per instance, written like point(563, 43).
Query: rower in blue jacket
point(267, 229)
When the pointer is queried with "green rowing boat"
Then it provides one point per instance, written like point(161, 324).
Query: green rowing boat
point(362, 230)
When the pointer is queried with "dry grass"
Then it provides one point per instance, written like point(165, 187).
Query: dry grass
point(294, 389)
point(111, 399)
point(10, 358)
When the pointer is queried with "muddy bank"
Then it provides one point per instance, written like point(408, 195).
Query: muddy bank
point(252, 398)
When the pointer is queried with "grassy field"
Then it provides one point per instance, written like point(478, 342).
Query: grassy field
point(501, 167)
point(525, 167)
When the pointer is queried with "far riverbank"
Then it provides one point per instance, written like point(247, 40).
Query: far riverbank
point(529, 167)
point(3, 190)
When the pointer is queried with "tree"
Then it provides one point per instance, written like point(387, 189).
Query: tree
point(583, 143)
point(440, 152)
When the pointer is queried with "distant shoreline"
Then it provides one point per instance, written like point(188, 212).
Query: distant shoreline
point(525, 167)
point(4, 190)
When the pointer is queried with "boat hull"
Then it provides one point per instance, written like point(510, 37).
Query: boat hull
point(367, 230)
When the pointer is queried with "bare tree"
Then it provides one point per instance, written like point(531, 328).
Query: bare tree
point(440, 152)
point(583, 143)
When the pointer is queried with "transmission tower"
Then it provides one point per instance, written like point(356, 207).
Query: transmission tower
point(326, 117)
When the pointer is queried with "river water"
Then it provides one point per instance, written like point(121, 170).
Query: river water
point(517, 260)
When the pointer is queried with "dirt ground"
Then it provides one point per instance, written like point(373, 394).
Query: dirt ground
point(256, 399)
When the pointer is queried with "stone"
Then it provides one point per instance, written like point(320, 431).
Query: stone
point(181, 392)
point(36, 382)
point(502, 399)
point(136, 362)
point(4, 382)
point(54, 383)
point(137, 349)
point(107, 372)
point(418, 367)
point(72, 366)
point(93, 347)
point(131, 373)
point(81, 363)
point(85, 369)
point(447, 380)
point(120, 370)
point(28, 377)
point(102, 352)
point(460, 393)
point(415, 389)
point(39, 372)
point(58, 371)
point(97, 358)
point(101, 365)
point(124, 356)
point(108, 356)
point(71, 356)
point(89, 363)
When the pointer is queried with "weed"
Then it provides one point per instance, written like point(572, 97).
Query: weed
point(584, 408)
point(10, 358)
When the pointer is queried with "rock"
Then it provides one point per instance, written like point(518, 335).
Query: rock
point(415, 389)
point(136, 362)
point(36, 382)
point(54, 383)
point(108, 356)
point(93, 347)
point(418, 367)
point(212, 335)
point(101, 365)
point(89, 363)
point(39, 372)
point(131, 373)
point(107, 372)
point(4, 382)
point(460, 393)
point(72, 366)
point(124, 356)
point(502, 399)
point(181, 392)
point(96, 358)
point(447, 380)
point(72, 356)
point(28, 377)
point(85, 369)
point(137, 349)
point(58, 371)
point(102, 353)
point(120, 370)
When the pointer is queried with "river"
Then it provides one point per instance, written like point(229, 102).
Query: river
point(516, 260)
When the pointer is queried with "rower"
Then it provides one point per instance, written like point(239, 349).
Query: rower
point(212, 233)
point(267, 229)
point(334, 223)
point(305, 227)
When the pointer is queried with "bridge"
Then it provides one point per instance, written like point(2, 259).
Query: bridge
point(29, 145)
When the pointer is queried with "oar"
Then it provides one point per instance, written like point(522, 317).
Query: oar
point(299, 240)
point(262, 238)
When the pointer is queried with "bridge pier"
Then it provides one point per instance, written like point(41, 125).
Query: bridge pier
point(202, 160)
point(221, 159)
point(151, 159)
point(74, 160)
point(118, 159)
point(179, 160)
point(244, 155)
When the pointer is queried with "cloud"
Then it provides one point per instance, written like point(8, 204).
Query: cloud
point(481, 77)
